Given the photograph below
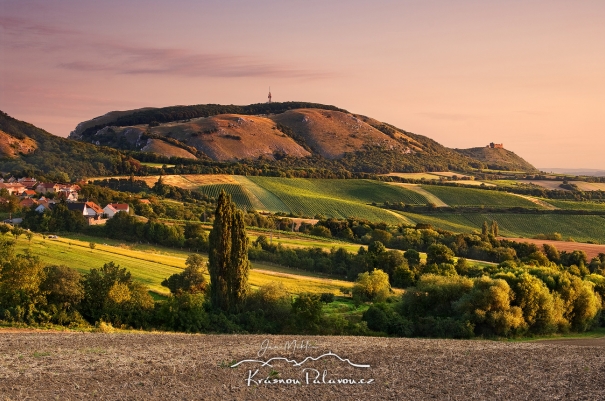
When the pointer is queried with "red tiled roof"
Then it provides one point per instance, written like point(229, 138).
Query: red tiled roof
point(119, 206)
point(94, 207)
point(28, 202)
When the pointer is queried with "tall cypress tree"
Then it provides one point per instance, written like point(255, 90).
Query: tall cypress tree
point(228, 263)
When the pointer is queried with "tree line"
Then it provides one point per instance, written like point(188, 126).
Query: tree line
point(444, 297)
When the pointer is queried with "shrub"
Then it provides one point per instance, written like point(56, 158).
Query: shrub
point(183, 312)
point(268, 310)
point(327, 297)
point(190, 280)
point(307, 311)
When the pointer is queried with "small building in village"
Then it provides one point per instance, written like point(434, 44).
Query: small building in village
point(112, 208)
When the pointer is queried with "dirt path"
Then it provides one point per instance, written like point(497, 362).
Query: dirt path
point(591, 250)
point(400, 217)
point(419, 190)
point(537, 201)
point(83, 366)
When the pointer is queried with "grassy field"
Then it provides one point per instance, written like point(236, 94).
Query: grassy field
point(582, 185)
point(151, 265)
point(297, 241)
point(580, 228)
point(454, 196)
point(156, 165)
point(416, 176)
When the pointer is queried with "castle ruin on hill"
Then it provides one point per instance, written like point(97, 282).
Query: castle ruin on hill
point(496, 145)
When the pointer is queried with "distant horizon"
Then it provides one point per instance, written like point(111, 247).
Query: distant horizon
point(527, 74)
point(562, 169)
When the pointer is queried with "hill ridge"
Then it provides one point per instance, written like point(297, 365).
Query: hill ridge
point(304, 133)
point(498, 158)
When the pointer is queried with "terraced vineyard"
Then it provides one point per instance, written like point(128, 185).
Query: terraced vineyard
point(454, 196)
point(572, 205)
point(307, 197)
point(364, 191)
point(243, 198)
point(268, 199)
point(311, 197)
point(446, 221)
point(579, 227)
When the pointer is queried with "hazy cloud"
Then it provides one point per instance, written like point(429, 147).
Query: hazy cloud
point(81, 52)
point(20, 26)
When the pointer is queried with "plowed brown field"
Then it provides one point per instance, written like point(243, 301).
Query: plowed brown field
point(84, 366)
point(591, 250)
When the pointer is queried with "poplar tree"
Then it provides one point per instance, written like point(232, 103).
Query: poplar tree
point(495, 229)
point(228, 263)
point(484, 231)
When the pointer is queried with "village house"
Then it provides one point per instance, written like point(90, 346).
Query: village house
point(112, 208)
point(68, 195)
point(44, 205)
point(88, 209)
point(28, 202)
point(69, 187)
point(28, 193)
point(45, 188)
point(28, 182)
point(13, 188)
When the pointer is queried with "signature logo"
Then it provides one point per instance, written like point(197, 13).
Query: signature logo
point(294, 363)
point(307, 375)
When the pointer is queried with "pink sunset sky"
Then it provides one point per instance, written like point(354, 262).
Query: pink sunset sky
point(530, 74)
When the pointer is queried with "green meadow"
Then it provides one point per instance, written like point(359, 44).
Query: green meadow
point(150, 265)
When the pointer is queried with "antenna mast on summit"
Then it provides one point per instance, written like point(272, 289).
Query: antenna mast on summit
point(269, 95)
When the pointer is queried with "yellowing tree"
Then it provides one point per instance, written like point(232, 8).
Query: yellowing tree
point(373, 287)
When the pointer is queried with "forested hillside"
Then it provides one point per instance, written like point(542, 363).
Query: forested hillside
point(39, 152)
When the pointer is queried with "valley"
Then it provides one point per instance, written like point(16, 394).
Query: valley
point(349, 223)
